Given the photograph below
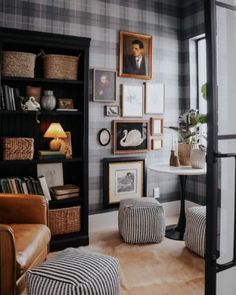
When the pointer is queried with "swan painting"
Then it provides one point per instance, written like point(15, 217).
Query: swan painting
point(132, 138)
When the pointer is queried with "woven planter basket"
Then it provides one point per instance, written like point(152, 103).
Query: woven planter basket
point(63, 67)
point(18, 148)
point(184, 153)
point(18, 64)
point(65, 220)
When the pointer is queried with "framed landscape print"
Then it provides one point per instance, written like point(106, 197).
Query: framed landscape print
point(154, 98)
point(135, 55)
point(104, 85)
point(132, 100)
point(130, 137)
point(157, 126)
point(123, 178)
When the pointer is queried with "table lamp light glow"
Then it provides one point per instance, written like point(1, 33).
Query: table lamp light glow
point(56, 131)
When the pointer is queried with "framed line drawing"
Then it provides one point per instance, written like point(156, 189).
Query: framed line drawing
point(154, 98)
point(132, 100)
point(157, 126)
point(130, 136)
point(112, 110)
point(104, 85)
point(157, 143)
point(135, 55)
point(123, 178)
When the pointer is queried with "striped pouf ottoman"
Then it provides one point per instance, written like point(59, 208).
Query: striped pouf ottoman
point(141, 220)
point(75, 272)
point(195, 230)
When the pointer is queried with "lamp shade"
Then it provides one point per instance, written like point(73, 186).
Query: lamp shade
point(55, 130)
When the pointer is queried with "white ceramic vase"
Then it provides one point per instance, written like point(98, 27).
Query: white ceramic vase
point(198, 159)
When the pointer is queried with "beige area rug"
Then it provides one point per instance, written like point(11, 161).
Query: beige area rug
point(167, 268)
point(153, 269)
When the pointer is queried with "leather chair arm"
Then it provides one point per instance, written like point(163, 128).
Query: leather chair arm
point(20, 208)
point(7, 261)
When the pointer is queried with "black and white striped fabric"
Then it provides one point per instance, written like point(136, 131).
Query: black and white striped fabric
point(141, 220)
point(196, 229)
point(75, 272)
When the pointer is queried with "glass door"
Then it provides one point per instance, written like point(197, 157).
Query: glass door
point(221, 156)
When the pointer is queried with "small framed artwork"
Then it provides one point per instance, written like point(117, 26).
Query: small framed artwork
point(112, 111)
point(65, 103)
point(157, 143)
point(154, 98)
point(53, 173)
point(135, 55)
point(157, 126)
point(66, 146)
point(104, 137)
point(130, 137)
point(104, 85)
point(123, 178)
point(132, 100)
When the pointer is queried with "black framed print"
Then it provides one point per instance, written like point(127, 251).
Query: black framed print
point(130, 137)
point(104, 85)
point(123, 178)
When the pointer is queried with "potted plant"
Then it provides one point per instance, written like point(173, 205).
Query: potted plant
point(189, 134)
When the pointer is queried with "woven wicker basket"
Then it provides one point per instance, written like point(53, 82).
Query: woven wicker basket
point(18, 148)
point(60, 66)
point(18, 64)
point(65, 220)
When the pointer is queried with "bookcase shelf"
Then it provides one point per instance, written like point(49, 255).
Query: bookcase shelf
point(33, 124)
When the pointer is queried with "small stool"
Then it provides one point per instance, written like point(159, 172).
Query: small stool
point(75, 272)
point(141, 220)
point(195, 230)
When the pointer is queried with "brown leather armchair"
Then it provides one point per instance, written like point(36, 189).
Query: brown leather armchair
point(24, 238)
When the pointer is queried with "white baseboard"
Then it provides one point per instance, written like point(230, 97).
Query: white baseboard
point(108, 220)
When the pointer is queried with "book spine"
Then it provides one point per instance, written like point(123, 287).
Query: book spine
point(3, 105)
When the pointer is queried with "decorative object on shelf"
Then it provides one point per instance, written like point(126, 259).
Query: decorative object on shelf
point(123, 178)
point(65, 103)
point(58, 66)
point(66, 146)
point(154, 98)
point(130, 137)
point(53, 173)
point(66, 191)
point(104, 137)
point(112, 111)
point(18, 64)
point(104, 85)
point(36, 92)
point(157, 126)
point(198, 157)
point(30, 104)
point(49, 155)
point(18, 148)
point(189, 134)
point(135, 55)
point(132, 100)
point(55, 130)
point(48, 101)
point(157, 143)
point(174, 159)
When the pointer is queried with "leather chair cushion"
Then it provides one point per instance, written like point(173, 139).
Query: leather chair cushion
point(30, 241)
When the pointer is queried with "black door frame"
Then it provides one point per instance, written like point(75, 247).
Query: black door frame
point(213, 198)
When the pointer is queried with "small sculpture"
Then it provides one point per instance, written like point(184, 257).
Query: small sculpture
point(30, 104)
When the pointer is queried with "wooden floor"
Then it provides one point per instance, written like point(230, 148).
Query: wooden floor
point(152, 269)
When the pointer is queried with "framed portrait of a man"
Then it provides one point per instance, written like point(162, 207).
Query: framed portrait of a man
point(104, 85)
point(135, 55)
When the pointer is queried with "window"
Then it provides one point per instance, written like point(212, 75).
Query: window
point(201, 80)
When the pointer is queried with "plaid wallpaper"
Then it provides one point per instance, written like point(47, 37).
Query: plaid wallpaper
point(101, 20)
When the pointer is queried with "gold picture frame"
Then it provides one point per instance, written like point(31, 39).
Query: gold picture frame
point(135, 59)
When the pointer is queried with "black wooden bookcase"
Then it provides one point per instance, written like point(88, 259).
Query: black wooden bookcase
point(24, 124)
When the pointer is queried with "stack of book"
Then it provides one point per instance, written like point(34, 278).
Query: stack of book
point(9, 98)
point(51, 155)
point(21, 185)
point(65, 191)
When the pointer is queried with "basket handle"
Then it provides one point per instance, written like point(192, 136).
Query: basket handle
point(41, 53)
